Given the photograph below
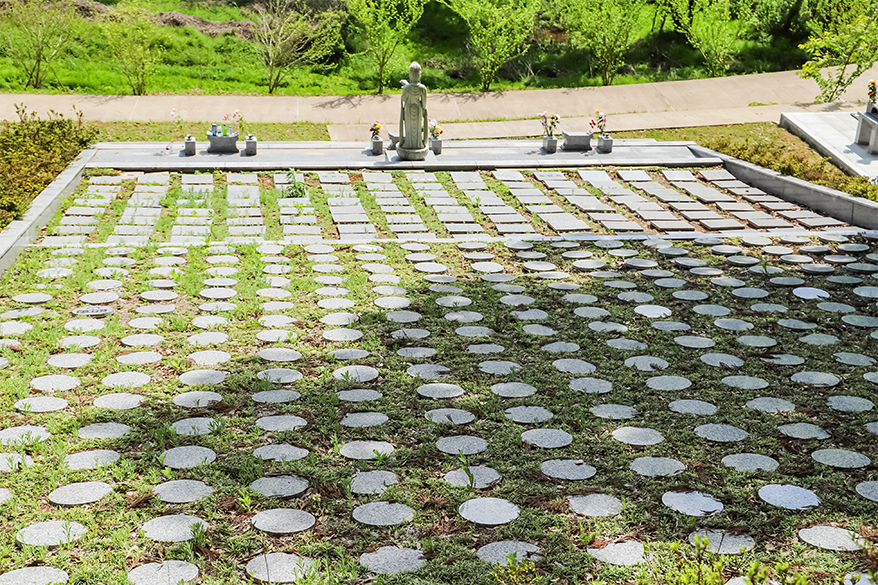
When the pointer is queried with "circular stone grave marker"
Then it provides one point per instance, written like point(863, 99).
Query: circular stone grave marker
point(365, 449)
point(161, 573)
point(840, 458)
point(483, 477)
point(440, 390)
point(194, 377)
point(723, 542)
point(461, 445)
point(363, 419)
point(389, 560)
point(281, 452)
point(23, 433)
point(591, 385)
point(79, 494)
point(657, 466)
point(187, 457)
point(109, 430)
point(55, 383)
point(626, 553)
point(849, 403)
point(570, 469)
point(511, 390)
point(91, 459)
point(41, 404)
point(787, 496)
point(750, 462)
point(383, 514)
point(692, 503)
point(182, 491)
point(35, 575)
point(596, 505)
point(638, 436)
point(489, 511)
point(547, 438)
point(281, 486)
point(498, 553)
point(832, 538)
point(721, 433)
point(51, 533)
point(279, 567)
point(373, 482)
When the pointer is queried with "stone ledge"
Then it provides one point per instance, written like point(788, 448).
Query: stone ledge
point(855, 211)
point(22, 232)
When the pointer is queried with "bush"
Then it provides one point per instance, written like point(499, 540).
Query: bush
point(33, 152)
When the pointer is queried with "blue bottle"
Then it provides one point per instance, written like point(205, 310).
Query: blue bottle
point(213, 129)
point(230, 130)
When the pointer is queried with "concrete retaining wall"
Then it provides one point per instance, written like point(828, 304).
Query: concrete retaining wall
point(856, 211)
point(21, 232)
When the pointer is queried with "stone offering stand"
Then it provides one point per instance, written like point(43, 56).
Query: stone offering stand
point(466, 357)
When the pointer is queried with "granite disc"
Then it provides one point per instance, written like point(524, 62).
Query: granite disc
point(489, 511)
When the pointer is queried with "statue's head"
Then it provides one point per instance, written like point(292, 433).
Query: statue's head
point(415, 72)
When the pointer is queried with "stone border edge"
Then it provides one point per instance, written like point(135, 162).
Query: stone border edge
point(855, 211)
point(22, 232)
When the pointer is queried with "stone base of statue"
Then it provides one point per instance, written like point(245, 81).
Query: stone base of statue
point(410, 154)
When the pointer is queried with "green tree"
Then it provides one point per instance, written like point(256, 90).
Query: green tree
point(714, 33)
point(606, 29)
point(498, 30)
point(36, 34)
point(385, 24)
point(681, 12)
point(841, 51)
point(131, 35)
point(289, 33)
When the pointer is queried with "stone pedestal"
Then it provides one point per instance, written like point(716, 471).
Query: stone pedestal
point(550, 144)
point(189, 146)
point(222, 144)
point(577, 140)
point(250, 146)
point(605, 144)
point(410, 154)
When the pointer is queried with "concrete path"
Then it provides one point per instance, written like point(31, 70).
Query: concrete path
point(833, 134)
point(725, 100)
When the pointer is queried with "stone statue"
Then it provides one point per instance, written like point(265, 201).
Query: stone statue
point(413, 129)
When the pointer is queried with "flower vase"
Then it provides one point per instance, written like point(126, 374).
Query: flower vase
point(550, 144)
point(605, 143)
point(377, 145)
point(872, 107)
point(189, 145)
point(436, 145)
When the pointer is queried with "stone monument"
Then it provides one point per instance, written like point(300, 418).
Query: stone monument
point(413, 129)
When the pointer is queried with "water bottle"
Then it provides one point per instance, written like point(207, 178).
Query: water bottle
point(219, 129)
point(230, 129)
point(213, 130)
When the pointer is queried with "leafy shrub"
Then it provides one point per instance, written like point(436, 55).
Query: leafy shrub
point(33, 152)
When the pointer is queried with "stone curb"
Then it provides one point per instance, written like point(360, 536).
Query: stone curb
point(847, 208)
point(22, 232)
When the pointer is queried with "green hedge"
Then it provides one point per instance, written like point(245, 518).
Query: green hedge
point(33, 151)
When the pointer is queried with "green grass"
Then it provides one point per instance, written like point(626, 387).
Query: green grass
point(114, 544)
point(193, 63)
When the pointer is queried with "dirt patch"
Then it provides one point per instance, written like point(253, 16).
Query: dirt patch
point(243, 29)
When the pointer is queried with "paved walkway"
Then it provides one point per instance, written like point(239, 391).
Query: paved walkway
point(833, 134)
point(717, 101)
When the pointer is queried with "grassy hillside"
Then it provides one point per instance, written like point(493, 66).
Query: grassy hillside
point(193, 62)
